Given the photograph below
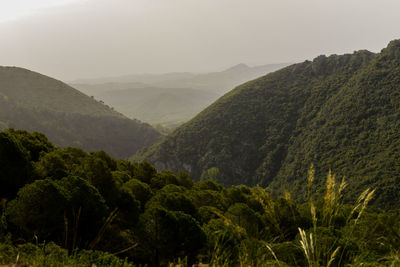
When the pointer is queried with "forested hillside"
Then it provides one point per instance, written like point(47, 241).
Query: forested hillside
point(340, 111)
point(35, 102)
point(66, 207)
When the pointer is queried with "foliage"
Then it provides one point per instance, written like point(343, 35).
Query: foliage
point(15, 167)
point(81, 209)
point(338, 111)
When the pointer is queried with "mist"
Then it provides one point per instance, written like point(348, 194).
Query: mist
point(98, 38)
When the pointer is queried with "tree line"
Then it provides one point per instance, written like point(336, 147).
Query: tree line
point(92, 204)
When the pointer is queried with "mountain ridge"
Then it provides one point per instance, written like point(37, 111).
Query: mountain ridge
point(268, 131)
point(36, 102)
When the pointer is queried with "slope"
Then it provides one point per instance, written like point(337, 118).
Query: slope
point(35, 102)
point(338, 112)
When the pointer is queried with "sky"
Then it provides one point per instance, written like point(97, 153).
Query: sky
point(73, 39)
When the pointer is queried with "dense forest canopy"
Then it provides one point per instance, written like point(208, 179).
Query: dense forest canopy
point(341, 112)
point(63, 206)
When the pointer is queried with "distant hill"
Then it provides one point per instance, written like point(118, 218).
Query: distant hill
point(223, 81)
point(34, 102)
point(167, 106)
point(338, 112)
point(137, 78)
point(168, 99)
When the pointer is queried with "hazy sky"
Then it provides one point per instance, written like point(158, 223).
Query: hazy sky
point(71, 39)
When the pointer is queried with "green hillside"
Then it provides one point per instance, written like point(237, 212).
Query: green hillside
point(340, 111)
point(34, 102)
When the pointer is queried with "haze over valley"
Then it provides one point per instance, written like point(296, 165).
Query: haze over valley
point(196, 133)
point(169, 99)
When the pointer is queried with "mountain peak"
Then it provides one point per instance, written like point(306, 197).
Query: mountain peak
point(394, 44)
point(392, 51)
point(238, 67)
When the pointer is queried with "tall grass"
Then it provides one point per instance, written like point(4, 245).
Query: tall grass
point(317, 249)
point(324, 255)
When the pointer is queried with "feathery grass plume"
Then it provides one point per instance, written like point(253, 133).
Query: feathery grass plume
point(358, 203)
point(342, 186)
point(314, 216)
point(329, 199)
point(268, 205)
point(339, 194)
point(289, 200)
point(310, 180)
point(288, 197)
point(332, 198)
point(307, 245)
point(333, 256)
point(367, 199)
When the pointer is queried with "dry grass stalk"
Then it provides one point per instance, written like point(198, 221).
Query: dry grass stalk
point(307, 245)
point(229, 222)
point(333, 256)
point(329, 198)
point(339, 194)
point(310, 180)
point(332, 198)
point(314, 216)
point(362, 202)
point(273, 254)
point(367, 199)
point(289, 200)
point(288, 197)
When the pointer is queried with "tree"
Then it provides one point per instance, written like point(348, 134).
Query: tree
point(212, 174)
point(144, 172)
point(140, 190)
point(39, 210)
point(173, 201)
point(85, 211)
point(52, 165)
point(245, 217)
point(99, 175)
point(15, 167)
point(35, 143)
point(157, 235)
point(162, 179)
point(166, 235)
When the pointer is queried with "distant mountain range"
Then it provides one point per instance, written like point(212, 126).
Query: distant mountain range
point(337, 112)
point(34, 102)
point(168, 99)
